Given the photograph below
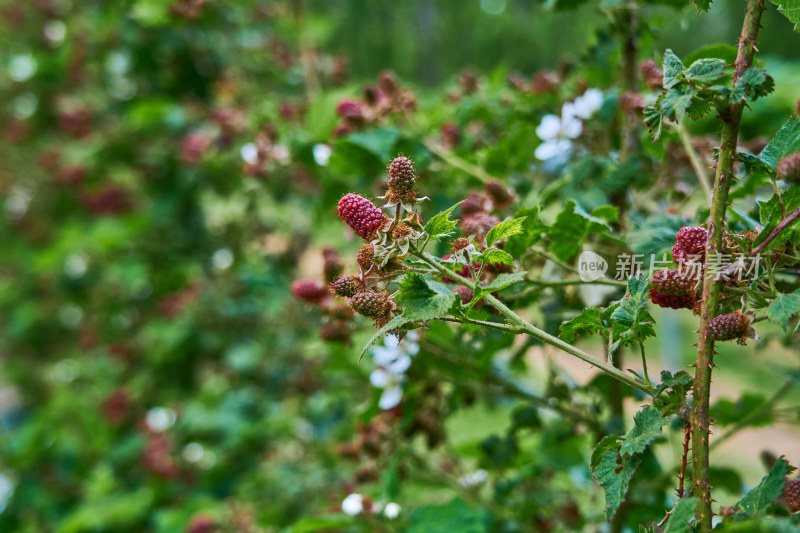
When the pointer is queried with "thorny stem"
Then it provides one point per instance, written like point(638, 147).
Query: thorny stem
point(755, 414)
point(533, 331)
point(777, 230)
point(730, 117)
point(694, 159)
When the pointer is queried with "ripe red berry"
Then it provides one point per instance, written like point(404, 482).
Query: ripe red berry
point(673, 282)
point(373, 304)
point(401, 175)
point(309, 290)
point(793, 495)
point(789, 168)
point(361, 215)
point(690, 241)
point(478, 225)
point(672, 301)
point(728, 327)
point(347, 286)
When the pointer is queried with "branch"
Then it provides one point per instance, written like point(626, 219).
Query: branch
point(777, 230)
point(535, 332)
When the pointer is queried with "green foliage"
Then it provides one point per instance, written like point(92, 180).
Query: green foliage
point(769, 488)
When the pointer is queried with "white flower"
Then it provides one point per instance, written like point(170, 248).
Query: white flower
point(393, 359)
point(473, 479)
point(353, 504)
point(556, 133)
point(322, 152)
point(160, 419)
point(588, 104)
point(392, 510)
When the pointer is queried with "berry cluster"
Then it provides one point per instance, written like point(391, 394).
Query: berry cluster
point(728, 327)
point(363, 217)
point(690, 245)
point(379, 101)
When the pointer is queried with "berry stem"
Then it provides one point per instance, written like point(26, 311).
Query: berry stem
point(730, 116)
point(533, 331)
point(777, 230)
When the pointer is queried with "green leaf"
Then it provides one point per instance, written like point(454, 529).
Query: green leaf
point(673, 68)
point(379, 142)
point(612, 472)
point(505, 280)
point(706, 70)
point(653, 120)
point(753, 84)
point(590, 319)
point(394, 323)
point(447, 518)
point(702, 5)
point(494, 256)
point(681, 515)
point(423, 299)
point(785, 142)
point(767, 490)
point(783, 308)
point(532, 229)
point(505, 229)
point(647, 425)
point(440, 224)
point(676, 102)
point(790, 8)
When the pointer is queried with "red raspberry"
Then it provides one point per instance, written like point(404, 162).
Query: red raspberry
point(351, 111)
point(500, 196)
point(793, 495)
point(728, 327)
point(690, 241)
point(335, 332)
point(309, 290)
point(673, 282)
point(464, 293)
point(347, 286)
point(672, 301)
point(478, 225)
point(373, 304)
point(361, 215)
point(652, 74)
point(401, 176)
point(789, 168)
point(201, 523)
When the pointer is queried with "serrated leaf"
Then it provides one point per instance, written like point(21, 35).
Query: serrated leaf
point(423, 299)
point(505, 280)
point(590, 320)
point(612, 472)
point(676, 102)
point(681, 515)
point(785, 142)
point(394, 323)
point(653, 120)
point(440, 224)
point(769, 488)
point(791, 9)
point(673, 68)
point(706, 70)
point(495, 256)
point(702, 5)
point(783, 308)
point(647, 425)
point(504, 230)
